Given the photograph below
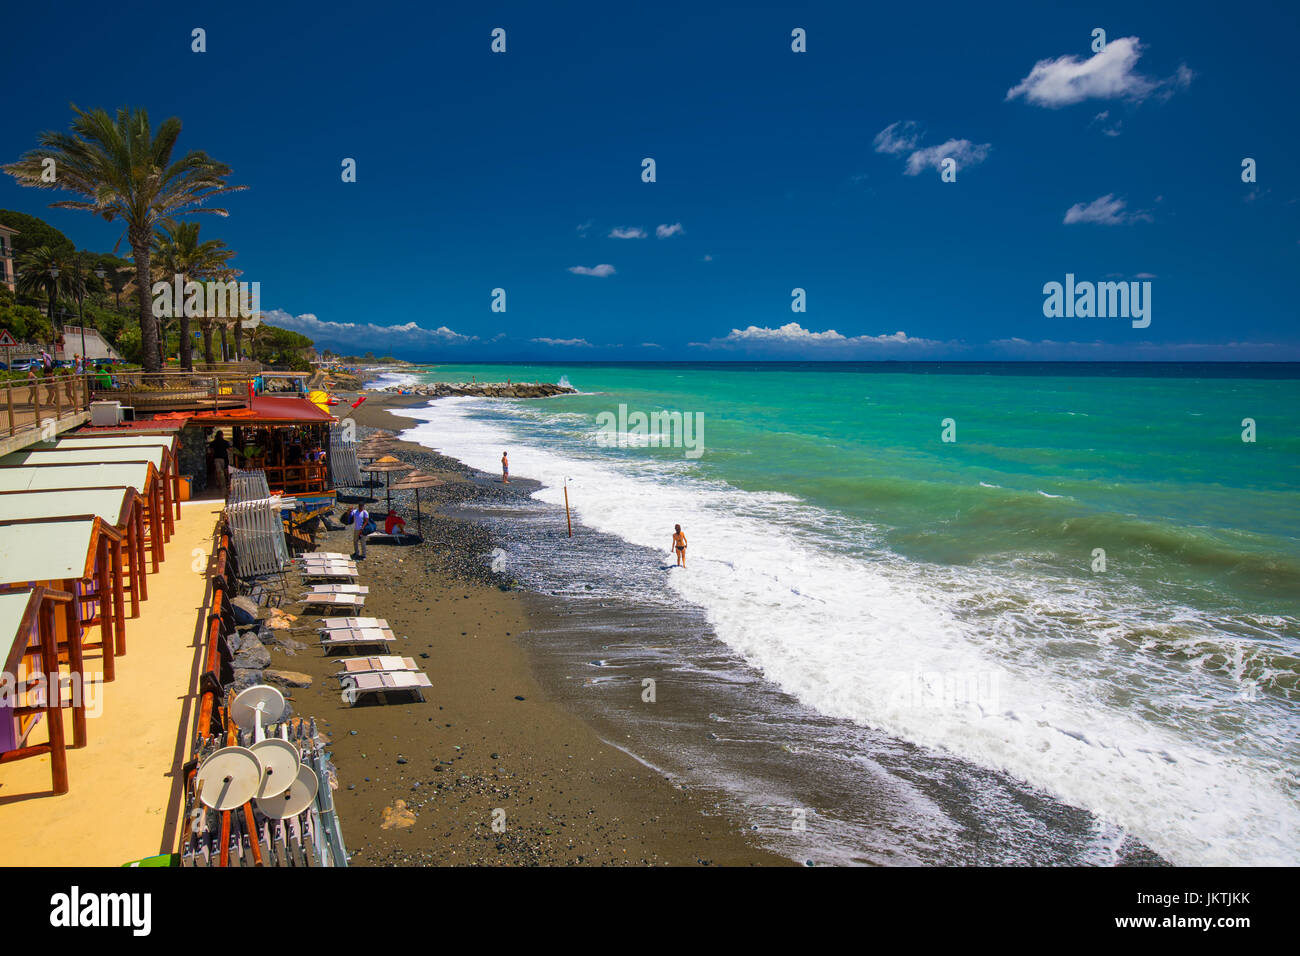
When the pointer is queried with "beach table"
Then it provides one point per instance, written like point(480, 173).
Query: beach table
point(121, 507)
point(167, 440)
point(356, 637)
point(367, 665)
point(354, 685)
point(336, 623)
point(142, 476)
point(161, 458)
point(28, 624)
point(81, 555)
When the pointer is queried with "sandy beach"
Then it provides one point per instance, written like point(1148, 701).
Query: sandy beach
point(488, 738)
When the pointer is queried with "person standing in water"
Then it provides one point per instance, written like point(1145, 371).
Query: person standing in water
point(679, 546)
point(505, 469)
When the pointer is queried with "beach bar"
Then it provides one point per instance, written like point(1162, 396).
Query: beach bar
point(81, 555)
point(28, 629)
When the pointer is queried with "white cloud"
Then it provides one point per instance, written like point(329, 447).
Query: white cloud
point(665, 231)
point(1106, 75)
point(406, 335)
point(898, 137)
point(795, 336)
point(651, 345)
point(1104, 211)
point(627, 232)
point(582, 229)
point(708, 258)
point(602, 270)
point(569, 343)
point(965, 152)
point(905, 137)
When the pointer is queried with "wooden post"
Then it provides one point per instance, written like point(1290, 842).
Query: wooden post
point(10, 390)
point(53, 699)
point(566, 507)
point(76, 665)
point(36, 402)
point(58, 396)
point(105, 601)
point(115, 548)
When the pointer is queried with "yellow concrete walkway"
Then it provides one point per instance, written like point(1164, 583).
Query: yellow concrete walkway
point(124, 796)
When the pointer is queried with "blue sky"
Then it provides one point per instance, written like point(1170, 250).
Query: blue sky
point(784, 170)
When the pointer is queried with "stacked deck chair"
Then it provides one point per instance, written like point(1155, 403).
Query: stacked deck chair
point(344, 471)
point(323, 569)
point(257, 534)
point(247, 486)
point(324, 596)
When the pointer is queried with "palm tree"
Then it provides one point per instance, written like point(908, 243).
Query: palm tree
point(45, 271)
point(177, 251)
point(125, 171)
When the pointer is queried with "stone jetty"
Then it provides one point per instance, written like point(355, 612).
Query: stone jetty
point(485, 389)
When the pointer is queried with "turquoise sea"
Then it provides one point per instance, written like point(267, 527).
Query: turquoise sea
point(1092, 586)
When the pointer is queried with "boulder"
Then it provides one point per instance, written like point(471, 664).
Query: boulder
point(252, 655)
point(286, 678)
point(245, 610)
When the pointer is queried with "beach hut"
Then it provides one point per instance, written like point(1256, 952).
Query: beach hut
point(142, 476)
point(168, 440)
point(29, 629)
point(161, 458)
point(121, 507)
point(82, 555)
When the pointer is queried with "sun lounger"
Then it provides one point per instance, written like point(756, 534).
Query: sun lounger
point(334, 623)
point(344, 602)
point(369, 665)
point(331, 555)
point(319, 589)
point(328, 574)
point(354, 685)
point(356, 637)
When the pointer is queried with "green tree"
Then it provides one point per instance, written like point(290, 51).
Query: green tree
point(125, 171)
point(178, 252)
point(45, 272)
point(33, 232)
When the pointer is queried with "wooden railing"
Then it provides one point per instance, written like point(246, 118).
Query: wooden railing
point(28, 404)
point(180, 391)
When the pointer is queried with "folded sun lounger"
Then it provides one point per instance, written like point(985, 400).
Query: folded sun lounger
point(369, 665)
point(319, 589)
point(337, 555)
point(332, 623)
point(354, 685)
point(344, 602)
point(356, 636)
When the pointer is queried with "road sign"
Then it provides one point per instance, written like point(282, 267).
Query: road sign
point(6, 339)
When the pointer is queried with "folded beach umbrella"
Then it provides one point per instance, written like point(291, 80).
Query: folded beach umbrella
point(387, 465)
point(417, 480)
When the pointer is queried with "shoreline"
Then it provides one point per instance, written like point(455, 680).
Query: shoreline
point(489, 736)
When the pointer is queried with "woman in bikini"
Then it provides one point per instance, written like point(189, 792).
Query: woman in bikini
point(679, 546)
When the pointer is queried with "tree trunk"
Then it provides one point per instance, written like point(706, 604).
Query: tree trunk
point(239, 339)
point(144, 284)
point(187, 356)
point(225, 349)
point(207, 342)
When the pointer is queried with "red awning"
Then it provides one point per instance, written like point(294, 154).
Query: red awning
point(266, 408)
